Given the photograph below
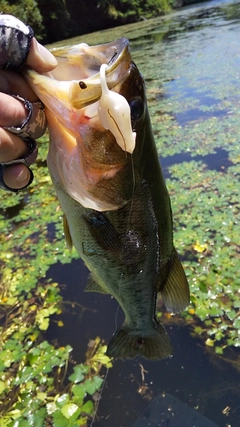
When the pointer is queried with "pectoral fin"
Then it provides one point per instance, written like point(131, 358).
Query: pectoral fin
point(103, 232)
point(175, 291)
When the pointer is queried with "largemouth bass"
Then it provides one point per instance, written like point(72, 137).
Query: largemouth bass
point(105, 169)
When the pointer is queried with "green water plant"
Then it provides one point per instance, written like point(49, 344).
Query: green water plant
point(35, 387)
point(206, 212)
point(34, 390)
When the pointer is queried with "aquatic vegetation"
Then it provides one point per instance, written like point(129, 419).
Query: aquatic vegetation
point(33, 390)
point(206, 212)
point(33, 385)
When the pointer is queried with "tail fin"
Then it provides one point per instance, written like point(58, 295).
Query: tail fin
point(155, 346)
point(175, 291)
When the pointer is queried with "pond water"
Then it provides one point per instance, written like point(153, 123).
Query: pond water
point(191, 63)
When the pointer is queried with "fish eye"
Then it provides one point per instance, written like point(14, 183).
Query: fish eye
point(137, 109)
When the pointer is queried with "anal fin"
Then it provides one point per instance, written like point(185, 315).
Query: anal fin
point(93, 286)
point(175, 291)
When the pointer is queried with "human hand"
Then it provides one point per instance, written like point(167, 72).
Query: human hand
point(25, 118)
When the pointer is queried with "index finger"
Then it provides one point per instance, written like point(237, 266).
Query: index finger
point(40, 58)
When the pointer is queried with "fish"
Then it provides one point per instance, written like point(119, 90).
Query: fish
point(106, 172)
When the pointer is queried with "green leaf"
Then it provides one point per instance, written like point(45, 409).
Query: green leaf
point(62, 400)
point(218, 350)
point(37, 420)
point(69, 409)
point(2, 387)
point(78, 374)
point(79, 392)
point(88, 407)
point(209, 342)
point(93, 384)
point(236, 323)
point(42, 396)
point(59, 420)
point(5, 421)
point(23, 423)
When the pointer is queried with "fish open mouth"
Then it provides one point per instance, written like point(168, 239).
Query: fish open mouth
point(72, 90)
point(78, 70)
point(90, 58)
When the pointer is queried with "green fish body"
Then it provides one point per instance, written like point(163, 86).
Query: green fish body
point(115, 201)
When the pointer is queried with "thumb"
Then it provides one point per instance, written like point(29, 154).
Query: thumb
point(40, 58)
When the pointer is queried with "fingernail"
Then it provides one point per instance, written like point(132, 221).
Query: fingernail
point(46, 55)
point(24, 175)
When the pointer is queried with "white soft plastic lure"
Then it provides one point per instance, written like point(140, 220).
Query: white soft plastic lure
point(115, 115)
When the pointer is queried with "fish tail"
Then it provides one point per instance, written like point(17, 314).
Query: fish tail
point(126, 344)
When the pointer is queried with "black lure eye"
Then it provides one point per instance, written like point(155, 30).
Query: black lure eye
point(137, 109)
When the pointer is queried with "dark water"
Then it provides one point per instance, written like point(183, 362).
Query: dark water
point(190, 375)
point(193, 375)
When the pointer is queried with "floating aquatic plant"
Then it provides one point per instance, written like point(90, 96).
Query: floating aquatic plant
point(33, 387)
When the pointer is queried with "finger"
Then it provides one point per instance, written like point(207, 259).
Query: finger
point(33, 125)
point(11, 146)
point(40, 58)
point(16, 176)
point(12, 111)
point(14, 83)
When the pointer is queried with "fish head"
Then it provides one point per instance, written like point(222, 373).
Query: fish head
point(95, 104)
